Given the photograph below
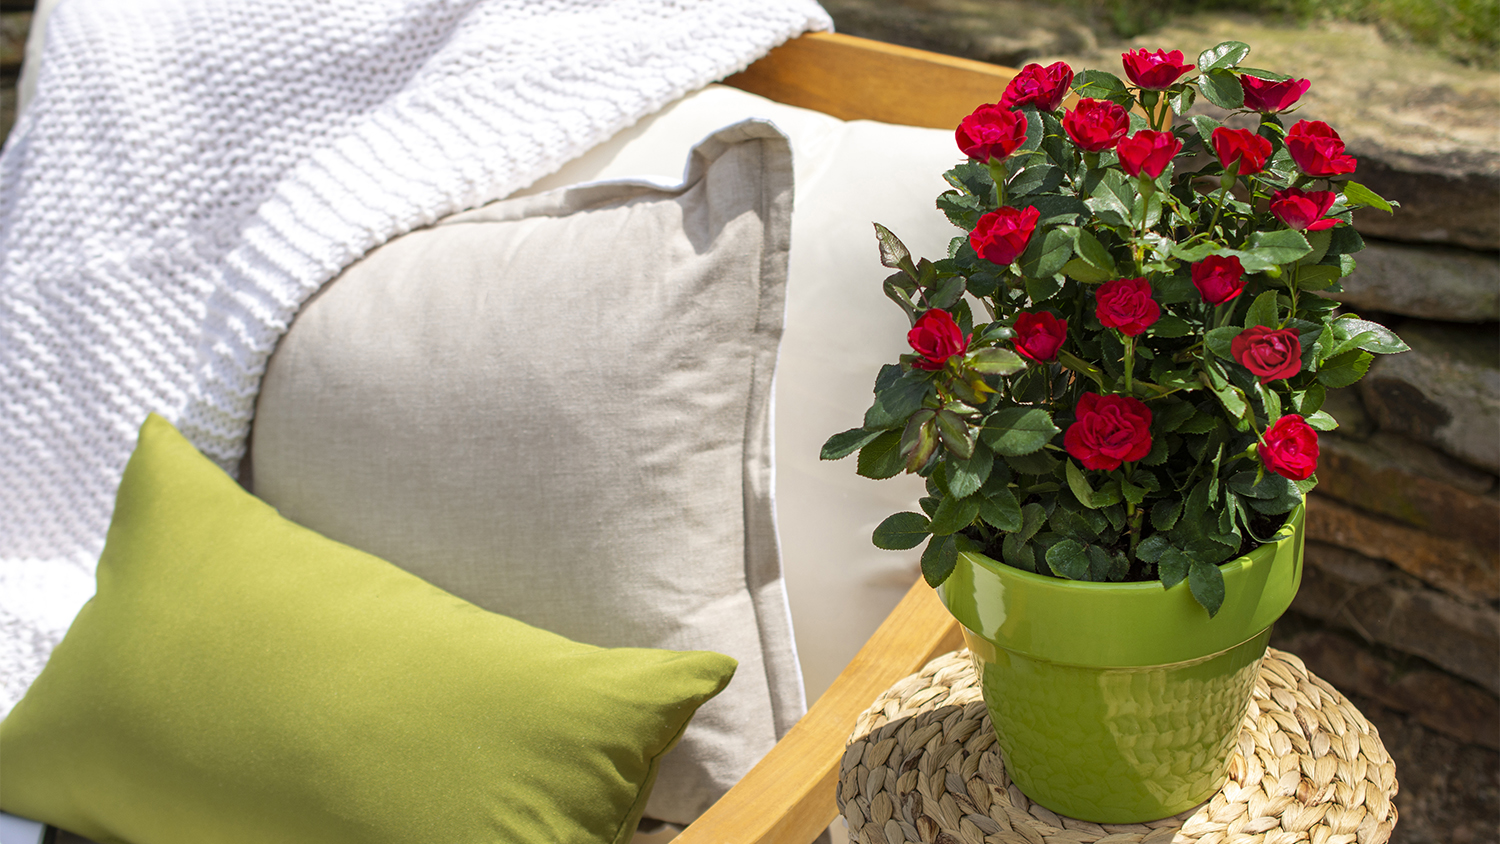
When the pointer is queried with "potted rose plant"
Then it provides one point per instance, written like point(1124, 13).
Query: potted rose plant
point(1114, 394)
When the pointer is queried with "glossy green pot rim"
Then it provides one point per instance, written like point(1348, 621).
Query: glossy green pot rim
point(1124, 624)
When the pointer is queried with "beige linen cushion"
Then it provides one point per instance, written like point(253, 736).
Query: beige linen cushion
point(557, 408)
point(840, 328)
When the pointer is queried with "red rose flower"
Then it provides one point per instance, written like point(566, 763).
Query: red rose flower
point(1270, 353)
point(1039, 335)
point(991, 133)
point(1126, 304)
point(1219, 278)
point(1110, 430)
point(1318, 150)
point(1271, 97)
point(1242, 145)
point(936, 337)
point(1147, 151)
point(1001, 236)
point(1154, 71)
point(1096, 125)
point(1304, 210)
point(1290, 448)
point(1045, 87)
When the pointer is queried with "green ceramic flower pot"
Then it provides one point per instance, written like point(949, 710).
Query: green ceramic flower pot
point(1120, 702)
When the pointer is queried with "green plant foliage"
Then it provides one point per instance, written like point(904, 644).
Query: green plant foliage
point(1094, 408)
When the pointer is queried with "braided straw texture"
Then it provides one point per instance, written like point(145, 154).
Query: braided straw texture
point(923, 766)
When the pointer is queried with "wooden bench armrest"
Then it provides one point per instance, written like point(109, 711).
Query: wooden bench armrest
point(859, 79)
point(789, 797)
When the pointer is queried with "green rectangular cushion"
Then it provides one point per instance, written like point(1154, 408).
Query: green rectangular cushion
point(238, 678)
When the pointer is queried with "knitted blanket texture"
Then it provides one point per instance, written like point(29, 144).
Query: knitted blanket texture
point(192, 170)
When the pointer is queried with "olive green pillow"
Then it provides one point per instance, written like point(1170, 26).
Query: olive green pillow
point(238, 678)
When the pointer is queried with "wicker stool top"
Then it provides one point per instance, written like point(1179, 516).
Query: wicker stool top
point(923, 766)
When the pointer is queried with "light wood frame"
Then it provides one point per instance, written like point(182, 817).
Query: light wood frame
point(789, 797)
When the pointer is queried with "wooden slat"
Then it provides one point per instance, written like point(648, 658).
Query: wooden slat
point(789, 797)
point(856, 78)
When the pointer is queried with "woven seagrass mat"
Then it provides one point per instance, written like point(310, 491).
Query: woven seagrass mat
point(922, 766)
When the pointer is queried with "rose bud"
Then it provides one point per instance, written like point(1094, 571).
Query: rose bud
point(1269, 353)
point(1096, 125)
point(1001, 236)
point(1317, 150)
point(1126, 304)
point(1039, 335)
point(1219, 278)
point(1304, 210)
point(936, 337)
point(991, 133)
point(1271, 97)
point(1044, 87)
point(1148, 152)
point(1290, 448)
point(1110, 430)
point(1154, 71)
point(1242, 145)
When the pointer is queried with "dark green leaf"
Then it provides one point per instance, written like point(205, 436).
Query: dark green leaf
point(896, 403)
point(1093, 252)
point(1170, 326)
point(961, 209)
point(842, 445)
point(1053, 209)
point(1172, 567)
point(1080, 270)
point(996, 361)
point(939, 559)
point(1268, 75)
point(965, 477)
point(1038, 462)
point(1080, 485)
point(881, 457)
point(1357, 194)
point(1207, 585)
point(1165, 513)
point(1205, 126)
point(1222, 88)
point(1000, 509)
point(1322, 421)
point(1180, 102)
point(1377, 338)
point(946, 292)
point(1105, 567)
point(974, 179)
point(1318, 276)
point(1101, 85)
point(1046, 255)
point(955, 433)
point(1133, 494)
point(901, 531)
point(1042, 288)
point(1016, 553)
point(1169, 414)
point(900, 297)
point(1344, 369)
point(1263, 311)
point(1035, 178)
point(1226, 54)
point(1069, 558)
point(954, 514)
point(1151, 548)
point(1015, 431)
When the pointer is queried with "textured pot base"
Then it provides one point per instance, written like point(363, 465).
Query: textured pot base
point(1118, 745)
point(923, 765)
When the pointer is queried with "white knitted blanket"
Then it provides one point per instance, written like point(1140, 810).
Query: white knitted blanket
point(192, 170)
